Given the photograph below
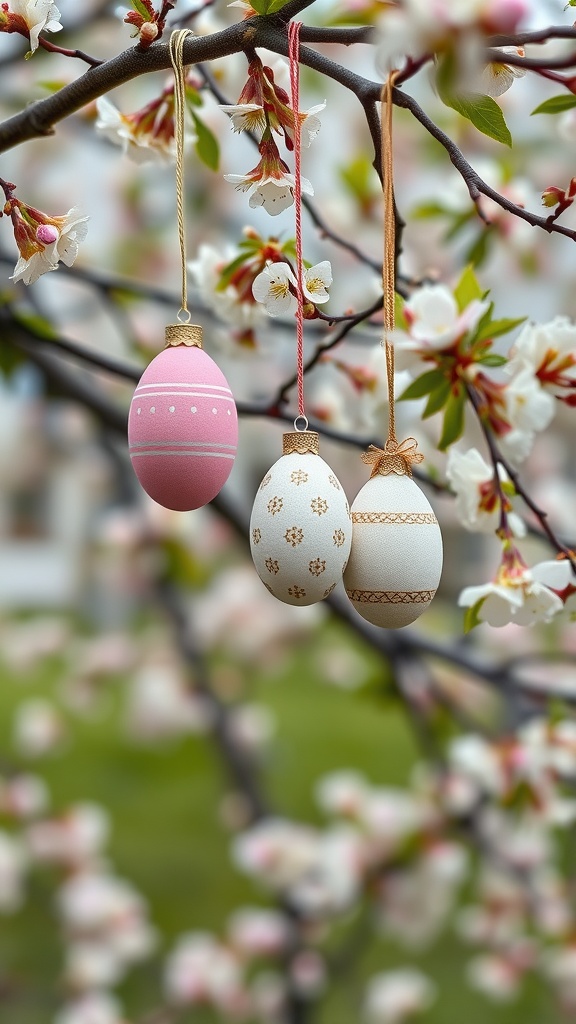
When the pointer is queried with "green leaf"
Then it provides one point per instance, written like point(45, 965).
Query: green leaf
point(259, 6)
point(52, 86)
point(493, 359)
point(467, 289)
point(482, 111)
point(472, 616)
point(437, 399)
point(194, 98)
point(423, 385)
point(142, 9)
point(485, 115)
point(399, 317)
point(229, 271)
point(207, 146)
point(478, 250)
point(36, 324)
point(556, 104)
point(453, 420)
point(425, 211)
point(498, 327)
point(275, 5)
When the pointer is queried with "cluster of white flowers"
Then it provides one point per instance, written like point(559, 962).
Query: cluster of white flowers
point(103, 919)
point(227, 303)
point(517, 792)
point(272, 287)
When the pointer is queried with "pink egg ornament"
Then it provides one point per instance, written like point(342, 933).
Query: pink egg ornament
point(183, 424)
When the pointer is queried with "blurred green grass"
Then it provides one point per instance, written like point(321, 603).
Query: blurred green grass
point(168, 840)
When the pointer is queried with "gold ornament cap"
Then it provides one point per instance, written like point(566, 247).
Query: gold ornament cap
point(183, 334)
point(301, 442)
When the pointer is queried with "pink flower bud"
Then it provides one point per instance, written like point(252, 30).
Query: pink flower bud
point(47, 233)
point(148, 32)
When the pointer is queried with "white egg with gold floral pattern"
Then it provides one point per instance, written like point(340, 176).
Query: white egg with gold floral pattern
point(300, 530)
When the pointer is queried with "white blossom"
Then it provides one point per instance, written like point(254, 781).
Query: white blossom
point(71, 230)
point(141, 144)
point(38, 728)
point(39, 15)
point(414, 903)
point(434, 322)
point(474, 757)
point(245, 116)
point(550, 347)
point(316, 282)
point(272, 289)
point(396, 996)
point(201, 970)
point(107, 912)
point(310, 124)
point(274, 193)
point(277, 851)
point(162, 705)
point(493, 975)
point(333, 880)
point(497, 78)
point(259, 932)
point(525, 597)
point(73, 839)
point(252, 725)
point(23, 796)
point(528, 407)
point(342, 792)
point(477, 504)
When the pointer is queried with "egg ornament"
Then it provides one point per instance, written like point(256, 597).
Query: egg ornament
point(300, 529)
point(396, 557)
point(183, 424)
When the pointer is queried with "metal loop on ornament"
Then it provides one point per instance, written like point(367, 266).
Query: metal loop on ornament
point(299, 420)
point(187, 315)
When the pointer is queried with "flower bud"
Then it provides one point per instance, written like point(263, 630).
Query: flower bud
point(148, 33)
point(553, 195)
point(47, 233)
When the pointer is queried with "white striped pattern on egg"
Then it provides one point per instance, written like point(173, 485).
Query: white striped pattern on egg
point(396, 558)
point(300, 529)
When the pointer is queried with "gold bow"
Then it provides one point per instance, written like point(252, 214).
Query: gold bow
point(395, 457)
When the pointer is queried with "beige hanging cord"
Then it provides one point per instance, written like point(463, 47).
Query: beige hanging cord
point(396, 457)
point(177, 41)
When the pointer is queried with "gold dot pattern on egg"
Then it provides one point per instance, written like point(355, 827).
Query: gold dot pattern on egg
point(256, 536)
point(275, 505)
point(317, 566)
point(319, 506)
point(299, 477)
point(294, 536)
